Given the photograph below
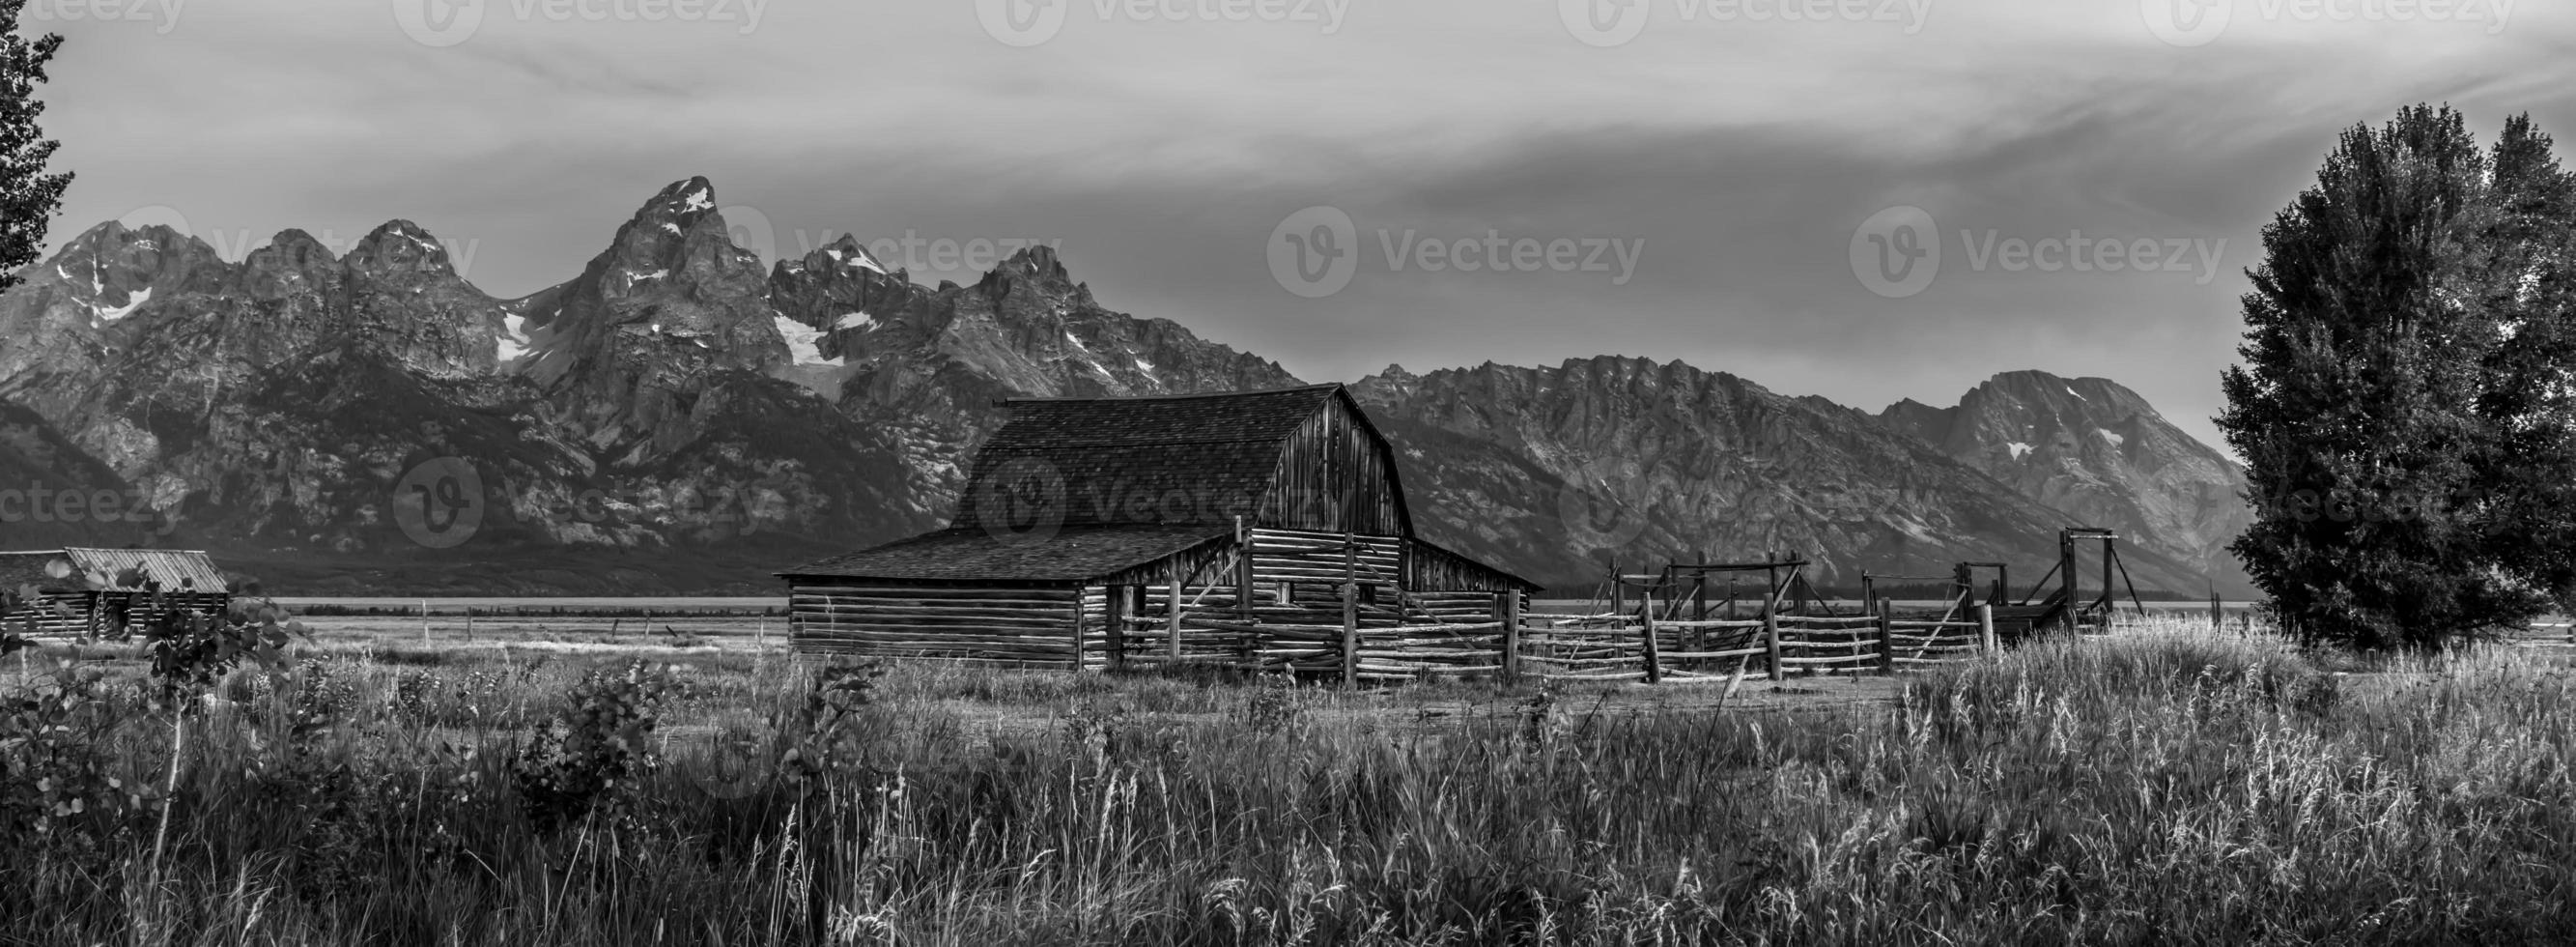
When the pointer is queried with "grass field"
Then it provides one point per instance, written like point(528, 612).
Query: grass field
point(2166, 784)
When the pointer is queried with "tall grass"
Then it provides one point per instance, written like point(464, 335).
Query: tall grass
point(2165, 785)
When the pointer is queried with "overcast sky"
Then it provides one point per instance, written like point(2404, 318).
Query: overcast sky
point(1743, 154)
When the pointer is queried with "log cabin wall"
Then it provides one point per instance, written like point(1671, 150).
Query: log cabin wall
point(1030, 626)
point(1311, 565)
point(72, 614)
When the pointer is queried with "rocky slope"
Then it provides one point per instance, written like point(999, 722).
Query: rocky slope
point(1550, 470)
point(675, 401)
point(54, 494)
point(2100, 453)
point(925, 365)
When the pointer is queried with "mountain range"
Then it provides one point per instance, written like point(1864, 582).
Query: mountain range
point(679, 418)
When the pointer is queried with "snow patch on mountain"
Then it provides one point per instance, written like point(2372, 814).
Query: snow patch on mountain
point(512, 343)
point(133, 301)
point(804, 342)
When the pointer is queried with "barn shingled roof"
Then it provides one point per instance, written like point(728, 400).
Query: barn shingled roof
point(1169, 460)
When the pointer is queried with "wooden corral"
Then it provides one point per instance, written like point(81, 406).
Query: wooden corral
point(1261, 530)
point(1667, 628)
point(96, 591)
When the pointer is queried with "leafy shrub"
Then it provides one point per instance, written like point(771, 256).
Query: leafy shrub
point(589, 760)
point(57, 782)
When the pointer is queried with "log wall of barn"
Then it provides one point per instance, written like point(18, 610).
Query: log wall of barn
point(1024, 626)
point(1311, 565)
point(68, 614)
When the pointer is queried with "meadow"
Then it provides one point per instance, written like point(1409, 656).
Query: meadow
point(2165, 784)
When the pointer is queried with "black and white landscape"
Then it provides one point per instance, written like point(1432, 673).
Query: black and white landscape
point(691, 419)
point(1287, 472)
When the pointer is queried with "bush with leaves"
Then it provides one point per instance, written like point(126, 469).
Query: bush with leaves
point(591, 758)
point(57, 781)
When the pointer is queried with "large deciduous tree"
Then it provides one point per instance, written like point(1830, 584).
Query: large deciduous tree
point(2404, 407)
point(29, 196)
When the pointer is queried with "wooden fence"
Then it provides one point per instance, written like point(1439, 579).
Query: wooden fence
point(2547, 636)
point(1774, 645)
point(1471, 634)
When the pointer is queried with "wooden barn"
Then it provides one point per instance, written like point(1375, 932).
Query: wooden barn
point(88, 591)
point(1244, 528)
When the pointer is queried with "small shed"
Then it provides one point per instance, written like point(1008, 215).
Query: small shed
point(86, 591)
point(1096, 531)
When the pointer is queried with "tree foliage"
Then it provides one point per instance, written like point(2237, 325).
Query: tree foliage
point(29, 196)
point(2405, 397)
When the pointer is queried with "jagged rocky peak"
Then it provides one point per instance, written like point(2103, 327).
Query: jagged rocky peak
point(400, 247)
point(1035, 269)
point(672, 276)
point(292, 263)
point(840, 292)
point(1393, 384)
point(113, 269)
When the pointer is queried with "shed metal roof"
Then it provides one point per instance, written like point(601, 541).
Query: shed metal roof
point(174, 570)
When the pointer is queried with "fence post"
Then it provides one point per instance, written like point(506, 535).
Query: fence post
point(1243, 573)
point(1618, 590)
point(1986, 629)
point(1512, 635)
point(1113, 613)
point(1771, 635)
point(1646, 617)
point(1075, 656)
point(1886, 637)
point(424, 621)
point(1350, 635)
point(2217, 615)
point(1172, 618)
